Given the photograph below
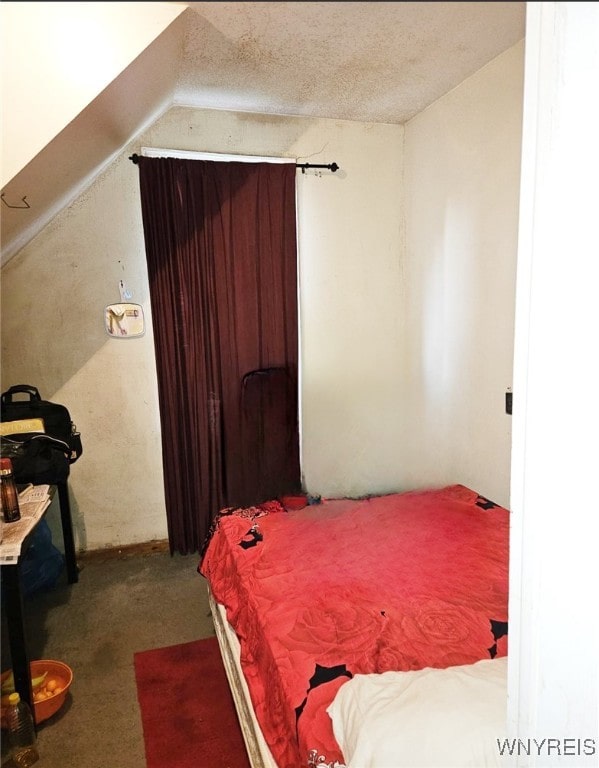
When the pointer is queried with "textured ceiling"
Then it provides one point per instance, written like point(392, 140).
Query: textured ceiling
point(374, 61)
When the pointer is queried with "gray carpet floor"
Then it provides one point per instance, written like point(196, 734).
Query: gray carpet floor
point(122, 604)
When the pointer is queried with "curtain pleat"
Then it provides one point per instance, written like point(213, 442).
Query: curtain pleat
point(222, 264)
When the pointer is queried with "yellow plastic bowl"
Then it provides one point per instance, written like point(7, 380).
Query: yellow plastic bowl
point(56, 670)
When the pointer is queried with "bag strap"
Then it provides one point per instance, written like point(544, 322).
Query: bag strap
point(24, 389)
point(53, 441)
point(41, 439)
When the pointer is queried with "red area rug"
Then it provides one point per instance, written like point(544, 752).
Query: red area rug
point(187, 711)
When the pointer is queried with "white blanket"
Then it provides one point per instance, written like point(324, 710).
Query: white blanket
point(438, 718)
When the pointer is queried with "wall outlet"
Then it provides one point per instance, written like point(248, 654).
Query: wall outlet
point(508, 402)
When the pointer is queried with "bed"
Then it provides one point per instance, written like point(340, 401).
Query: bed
point(314, 605)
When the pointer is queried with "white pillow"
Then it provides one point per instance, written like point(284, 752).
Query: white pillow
point(433, 718)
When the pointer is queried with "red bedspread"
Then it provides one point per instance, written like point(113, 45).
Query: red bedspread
point(393, 582)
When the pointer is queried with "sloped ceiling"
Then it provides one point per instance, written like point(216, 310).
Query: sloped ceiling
point(367, 61)
point(55, 57)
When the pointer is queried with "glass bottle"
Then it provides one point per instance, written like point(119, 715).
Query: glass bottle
point(8, 488)
point(21, 732)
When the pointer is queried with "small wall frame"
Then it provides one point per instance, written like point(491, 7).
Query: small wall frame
point(124, 321)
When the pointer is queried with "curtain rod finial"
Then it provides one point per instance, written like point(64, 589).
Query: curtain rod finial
point(134, 159)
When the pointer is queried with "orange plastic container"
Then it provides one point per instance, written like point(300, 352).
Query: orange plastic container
point(56, 670)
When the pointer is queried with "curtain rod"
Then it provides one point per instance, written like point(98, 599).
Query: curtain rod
point(331, 166)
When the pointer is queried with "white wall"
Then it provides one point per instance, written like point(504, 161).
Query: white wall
point(55, 289)
point(462, 166)
point(350, 289)
point(554, 572)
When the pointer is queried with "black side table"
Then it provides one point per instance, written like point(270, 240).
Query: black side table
point(13, 593)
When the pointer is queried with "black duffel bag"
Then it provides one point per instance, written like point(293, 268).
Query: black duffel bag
point(38, 436)
point(38, 459)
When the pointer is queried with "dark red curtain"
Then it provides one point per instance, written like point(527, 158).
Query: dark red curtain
point(222, 262)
